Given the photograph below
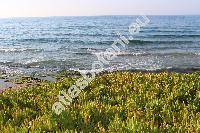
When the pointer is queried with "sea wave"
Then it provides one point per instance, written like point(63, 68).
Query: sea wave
point(122, 53)
point(174, 36)
point(5, 50)
point(151, 41)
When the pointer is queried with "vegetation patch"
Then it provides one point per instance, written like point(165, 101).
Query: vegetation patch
point(113, 102)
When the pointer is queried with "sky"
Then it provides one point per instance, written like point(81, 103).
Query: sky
point(44, 8)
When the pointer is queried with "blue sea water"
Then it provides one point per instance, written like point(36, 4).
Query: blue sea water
point(31, 45)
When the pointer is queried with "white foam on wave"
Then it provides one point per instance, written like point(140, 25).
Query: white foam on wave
point(16, 49)
point(122, 53)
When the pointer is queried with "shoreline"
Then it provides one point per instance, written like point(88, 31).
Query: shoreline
point(27, 81)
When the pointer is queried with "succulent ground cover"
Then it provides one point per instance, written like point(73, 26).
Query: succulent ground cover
point(113, 102)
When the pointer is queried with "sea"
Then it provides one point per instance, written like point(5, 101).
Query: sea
point(51, 44)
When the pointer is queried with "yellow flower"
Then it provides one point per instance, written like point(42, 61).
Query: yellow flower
point(198, 94)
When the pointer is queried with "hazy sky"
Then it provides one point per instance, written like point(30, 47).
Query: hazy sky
point(42, 8)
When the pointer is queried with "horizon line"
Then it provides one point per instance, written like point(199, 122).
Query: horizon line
point(98, 15)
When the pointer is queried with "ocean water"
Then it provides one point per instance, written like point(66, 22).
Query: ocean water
point(40, 45)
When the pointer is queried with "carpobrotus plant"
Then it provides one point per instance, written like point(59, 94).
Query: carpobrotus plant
point(113, 102)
